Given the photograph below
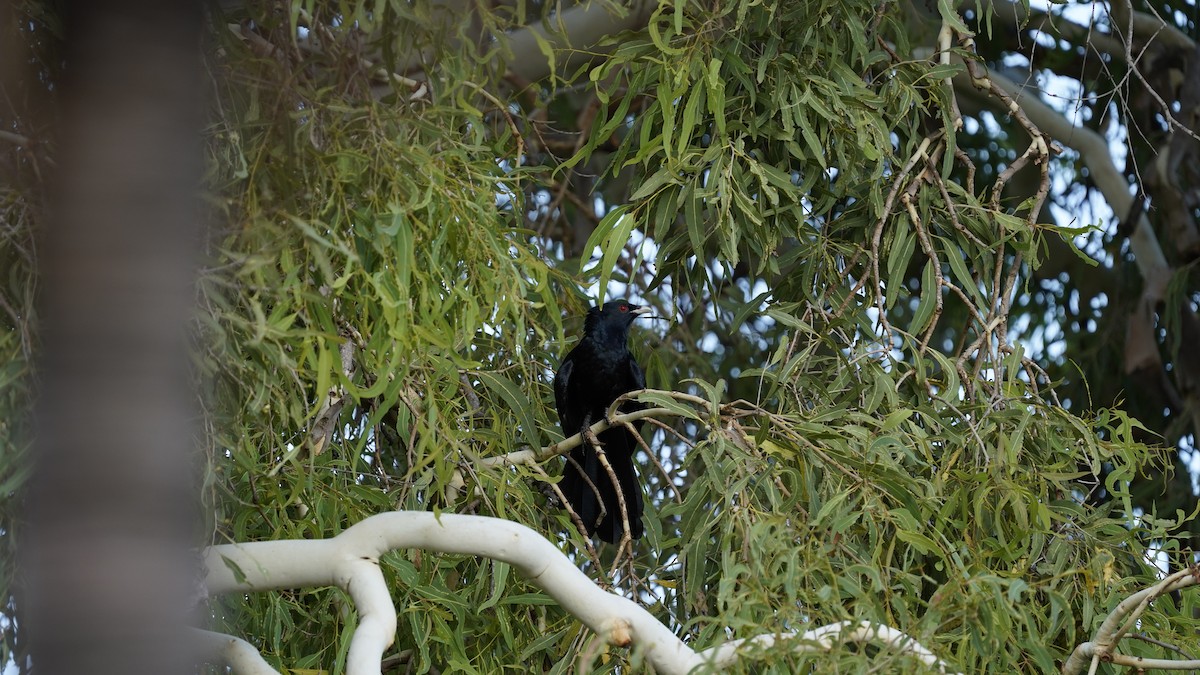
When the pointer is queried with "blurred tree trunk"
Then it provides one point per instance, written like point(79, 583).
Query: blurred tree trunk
point(110, 504)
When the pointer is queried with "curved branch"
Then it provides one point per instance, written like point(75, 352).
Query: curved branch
point(826, 638)
point(1020, 16)
point(575, 33)
point(1121, 620)
point(236, 653)
point(351, 561)
point(1093, 150)
point(1146, 28)
point(1141, 348)
point(353, 556)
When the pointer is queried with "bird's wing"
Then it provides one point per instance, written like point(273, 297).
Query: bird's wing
point(636, 374)
point(637, 380)
point(561, 397)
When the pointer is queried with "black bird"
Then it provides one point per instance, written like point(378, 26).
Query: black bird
point(592, 376)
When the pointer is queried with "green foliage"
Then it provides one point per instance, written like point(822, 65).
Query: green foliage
point(893, 460)
point(385, 303)
point(961, 524)
point(17, 344)
point(365, 254)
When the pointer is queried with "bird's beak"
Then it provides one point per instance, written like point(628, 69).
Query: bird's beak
point(643, 310)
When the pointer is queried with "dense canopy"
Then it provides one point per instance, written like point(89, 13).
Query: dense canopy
point(939, 365)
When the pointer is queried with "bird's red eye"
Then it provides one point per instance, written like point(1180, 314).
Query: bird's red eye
point(624, 308)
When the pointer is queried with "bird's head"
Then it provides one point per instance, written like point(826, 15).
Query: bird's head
point(618, 314)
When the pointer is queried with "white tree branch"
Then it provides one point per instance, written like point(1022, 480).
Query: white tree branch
point(1093, 150)
point(825, 639)
point(1121, 620)
point(574, 36)
point(351, 562)
point(1019, 16)
point(1147, 28)
point(239, 655)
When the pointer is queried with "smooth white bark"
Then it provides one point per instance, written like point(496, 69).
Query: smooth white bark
point(351, 562)
point(827, 638)
point(1103, 647)
point(234, 652)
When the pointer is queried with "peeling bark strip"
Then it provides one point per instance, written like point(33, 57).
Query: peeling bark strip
point(106, 562)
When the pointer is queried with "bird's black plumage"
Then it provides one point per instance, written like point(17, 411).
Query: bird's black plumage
point(592, 376)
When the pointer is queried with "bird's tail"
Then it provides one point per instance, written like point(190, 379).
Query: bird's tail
point(606, 523)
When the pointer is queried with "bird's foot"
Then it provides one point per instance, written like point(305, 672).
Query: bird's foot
point(590, 437)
